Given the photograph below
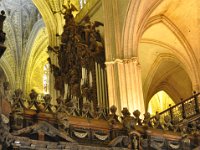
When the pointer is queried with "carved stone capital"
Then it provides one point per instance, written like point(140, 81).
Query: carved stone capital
point(123, 61)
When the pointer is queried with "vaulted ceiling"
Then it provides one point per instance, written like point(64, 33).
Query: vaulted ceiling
point(21, 17)
point(167, 49)
point(29, 31)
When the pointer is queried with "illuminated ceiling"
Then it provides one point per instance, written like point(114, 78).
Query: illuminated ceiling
point(21, 16)
point(37, 60)
point(27, 37)
point(167, 48)
point(28, 34)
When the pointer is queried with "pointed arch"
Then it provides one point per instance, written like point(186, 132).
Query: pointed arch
point(48, 18)
point(160, 101)
point(149, 91)
point(134, 23)
point(29, 47)
point(190, 61)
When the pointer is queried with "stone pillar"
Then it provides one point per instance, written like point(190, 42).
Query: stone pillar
point(125, 85)
point(123, 72)
point(130, 84)
point(112, 49)
point(113, 86)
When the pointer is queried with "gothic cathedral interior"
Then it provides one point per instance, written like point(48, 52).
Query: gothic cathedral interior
point(99, 74)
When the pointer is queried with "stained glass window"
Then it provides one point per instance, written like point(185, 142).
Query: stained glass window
point(82, 3)
point(46, 79)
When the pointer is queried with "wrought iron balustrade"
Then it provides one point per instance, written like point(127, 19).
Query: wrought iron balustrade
point(187, 109)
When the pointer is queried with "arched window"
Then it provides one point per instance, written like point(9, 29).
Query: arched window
point(46, 79)
point(159, 102)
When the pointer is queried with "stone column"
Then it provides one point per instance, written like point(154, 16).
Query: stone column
point(125, 85)
point(113, 86)
point(123, 74)
point(130, 84)
point(112, 47)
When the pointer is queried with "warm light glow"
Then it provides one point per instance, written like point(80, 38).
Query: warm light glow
point(159, 102)
point(37, 61)
point(129, 94)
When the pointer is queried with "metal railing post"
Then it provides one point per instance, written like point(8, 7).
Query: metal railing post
point(171, 113)
point(196, 102)
point(183, 109)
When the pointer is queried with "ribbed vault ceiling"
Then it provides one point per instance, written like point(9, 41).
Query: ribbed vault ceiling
point(167, 48)
point(21, 19)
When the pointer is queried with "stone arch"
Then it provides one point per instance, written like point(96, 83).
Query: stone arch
point(191, 61)
point(36, 57)
point(160, 101)
point(49, 20)
point(151, 87)
point(34, 33)
point(135, 25)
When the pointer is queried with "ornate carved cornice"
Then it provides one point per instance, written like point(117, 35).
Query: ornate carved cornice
point(123, 61)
